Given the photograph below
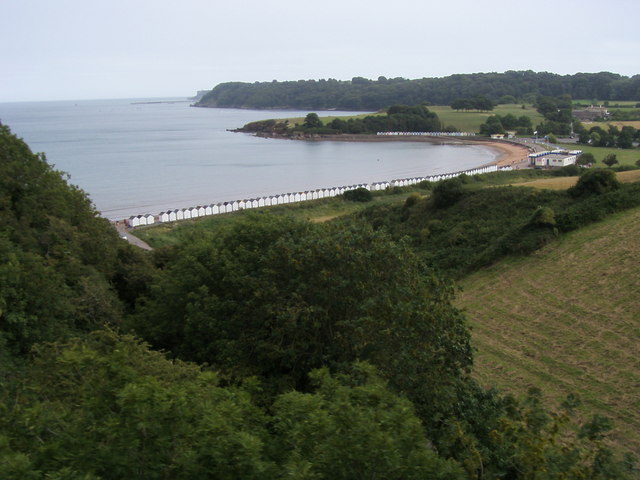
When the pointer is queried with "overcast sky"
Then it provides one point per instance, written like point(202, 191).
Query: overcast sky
point(86, 49)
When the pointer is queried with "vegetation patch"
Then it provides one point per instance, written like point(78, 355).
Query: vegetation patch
point(565, 319)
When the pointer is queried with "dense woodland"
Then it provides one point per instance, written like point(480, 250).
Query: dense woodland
point(363, 94)
point(273, 347)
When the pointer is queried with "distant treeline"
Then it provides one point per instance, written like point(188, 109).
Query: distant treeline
point(364, 94)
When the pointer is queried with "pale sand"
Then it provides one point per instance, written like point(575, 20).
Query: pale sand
point(509, 154)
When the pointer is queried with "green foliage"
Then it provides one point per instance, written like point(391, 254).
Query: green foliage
point(285, 310)
point(447, 192)
point(412, 200)
point(502, 123)
point(557, 112)
point(595, 181)
point(399, 118)
point(277, 298)
point(479, 102)
point(312, 121)
point(353, 427)
point(586, 158)
point(476, 228)
point(610, 160)
point(359, 194)
point(373, 95)
point(58, 259)
point(110, 408)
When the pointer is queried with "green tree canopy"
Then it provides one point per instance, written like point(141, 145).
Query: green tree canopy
point(58, 259)
point(277, 298)
point(312, 121)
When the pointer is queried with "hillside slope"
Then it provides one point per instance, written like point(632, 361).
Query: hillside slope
point(566, 319)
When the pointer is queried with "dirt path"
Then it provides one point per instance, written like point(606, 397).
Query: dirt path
point(125, 234)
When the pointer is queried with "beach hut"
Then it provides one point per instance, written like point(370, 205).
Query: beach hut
point(150, 219)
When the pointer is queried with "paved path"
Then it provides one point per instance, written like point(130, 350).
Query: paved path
point(125, 233)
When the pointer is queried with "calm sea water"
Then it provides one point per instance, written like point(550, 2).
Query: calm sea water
point(134, 158)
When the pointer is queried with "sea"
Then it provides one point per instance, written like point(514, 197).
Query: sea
point(144, 156)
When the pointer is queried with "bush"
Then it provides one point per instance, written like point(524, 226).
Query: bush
point(447, 192)
point(610, 160)
point(596, 181)
point(412, 200)
point(360, 194)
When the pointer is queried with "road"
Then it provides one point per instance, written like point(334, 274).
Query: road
point(125, 234)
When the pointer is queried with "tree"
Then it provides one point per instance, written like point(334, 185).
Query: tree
point(352, 426)
point(625, 139)
point(447, 192)
point(595, 181)
point(492, 125)
point(360, 194)
point(107, 407)
point(586, 158)
point(312, 121)
point(59, 257)
point(610, 160)
point(277, 298)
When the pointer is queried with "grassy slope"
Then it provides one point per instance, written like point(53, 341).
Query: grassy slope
point(562, 183)
point(471, 121)
point(625, 156)
point(566, 319)
point(463, 121)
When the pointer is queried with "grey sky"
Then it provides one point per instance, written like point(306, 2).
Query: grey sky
point(80, 49)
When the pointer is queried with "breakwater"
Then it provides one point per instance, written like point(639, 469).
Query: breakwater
point(174, 215)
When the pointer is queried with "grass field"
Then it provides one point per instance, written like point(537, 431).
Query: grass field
point(463, 121)
point(566, 319)
point(612, 103)
point(471, 121)
point(562, 183)
point(625, 156)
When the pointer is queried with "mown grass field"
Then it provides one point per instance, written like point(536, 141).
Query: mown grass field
point(471, 121)
point(562, 183)
point(566, 319)
point(625, 156)
point(463, 121)
point(612, 104)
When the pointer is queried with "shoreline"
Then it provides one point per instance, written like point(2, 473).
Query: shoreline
point(510, 154)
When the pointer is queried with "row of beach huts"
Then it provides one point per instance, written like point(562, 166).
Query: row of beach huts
point(430, 134)
point(175, 215)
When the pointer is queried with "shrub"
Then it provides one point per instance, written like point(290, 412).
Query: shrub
point(447, 192)
point(412, 200)
point(610, 160)
point(596, 181)
point(360, 194)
